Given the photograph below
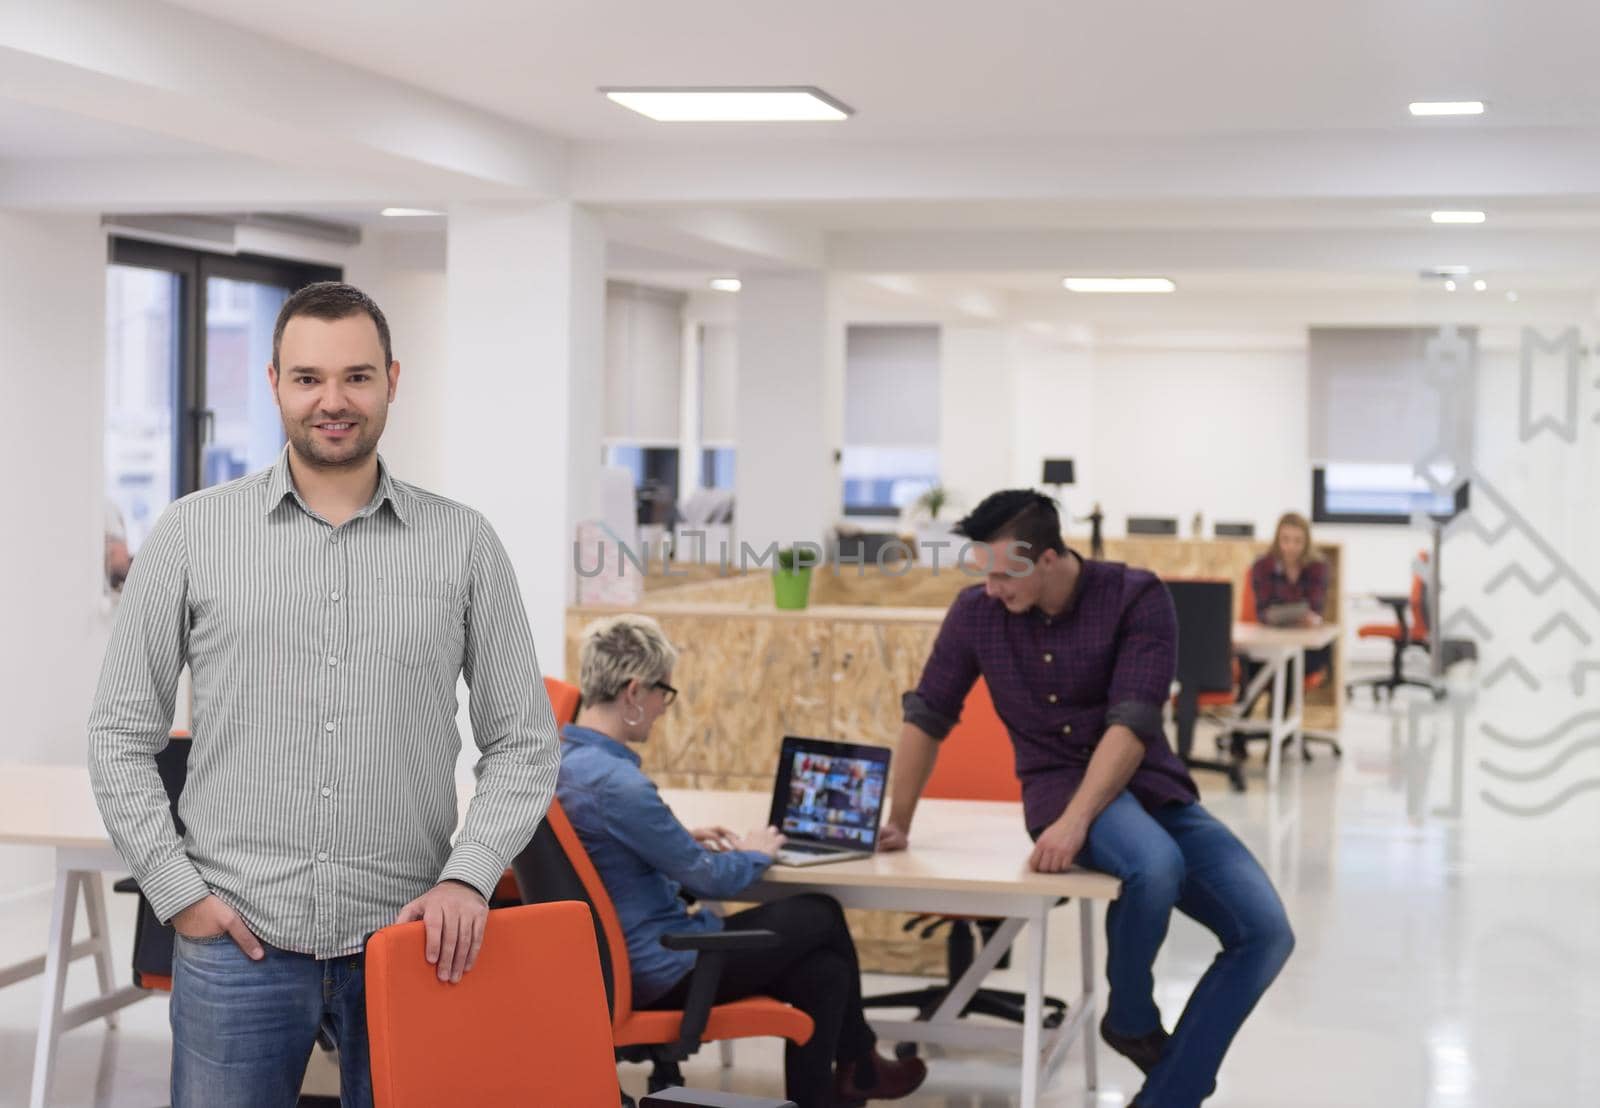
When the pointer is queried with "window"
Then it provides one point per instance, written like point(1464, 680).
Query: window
point(883, 480)
point(188, 338)
point(716, 468)
point(1374, 493)
point(655, 478)
point(891, 417)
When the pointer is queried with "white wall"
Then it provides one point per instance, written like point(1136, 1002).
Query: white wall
point(975, 413)
point(53, 622)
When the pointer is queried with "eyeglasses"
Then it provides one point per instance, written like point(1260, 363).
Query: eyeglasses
point(672, 693)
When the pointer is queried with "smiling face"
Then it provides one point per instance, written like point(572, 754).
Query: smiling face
point(333, 389)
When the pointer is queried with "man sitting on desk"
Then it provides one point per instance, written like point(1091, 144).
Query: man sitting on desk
point(1079, 658)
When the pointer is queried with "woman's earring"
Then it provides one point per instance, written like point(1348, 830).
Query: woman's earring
point(633, 722)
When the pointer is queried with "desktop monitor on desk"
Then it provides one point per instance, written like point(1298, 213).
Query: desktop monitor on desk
point(1152, 525)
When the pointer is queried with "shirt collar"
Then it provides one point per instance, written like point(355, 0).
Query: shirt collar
point(1078, 585)
point(574, 735)
point(280, 484)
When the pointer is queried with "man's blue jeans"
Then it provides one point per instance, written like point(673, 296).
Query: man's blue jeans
point(1182, 857)
point(243, 1031)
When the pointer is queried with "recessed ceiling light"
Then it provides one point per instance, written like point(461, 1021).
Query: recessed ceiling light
point(732, 105)
point(1449, 286)
point(1458, 217)
point(1118, 284)
point(1481, 285)
point(405, 213)
point(1447, 107)
point(726, 284)
point(1512, 296)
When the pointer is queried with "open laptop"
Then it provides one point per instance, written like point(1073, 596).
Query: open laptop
point(1291, 614)
point(827, 800)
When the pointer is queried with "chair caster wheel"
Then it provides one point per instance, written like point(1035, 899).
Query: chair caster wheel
point(905, 1050)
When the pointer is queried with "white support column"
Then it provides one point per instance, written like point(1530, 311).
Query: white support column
point(521, 426)
point(790, 410)
point(691, 382)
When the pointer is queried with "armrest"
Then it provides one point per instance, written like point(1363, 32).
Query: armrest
point(712, 950)
point(722, 940)
point(126, 885)
point(709, 1098)
point(1400, 604)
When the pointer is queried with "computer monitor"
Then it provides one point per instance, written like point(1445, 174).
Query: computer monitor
point(1234, 530)
point(1152, 525)
point(1058, 471)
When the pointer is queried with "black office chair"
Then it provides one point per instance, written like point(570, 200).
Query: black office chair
point(1205, 664)
point(152, 939)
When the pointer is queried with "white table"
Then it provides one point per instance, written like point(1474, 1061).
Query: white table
point(52, 807)
point(967, 858)
point(1282, 652)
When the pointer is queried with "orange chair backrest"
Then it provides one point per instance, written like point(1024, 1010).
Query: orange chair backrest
point(526, 1026)
point(1419, 598)
point(976, 760)
point(563, 699)
point(604, 910)
point(1247, 600)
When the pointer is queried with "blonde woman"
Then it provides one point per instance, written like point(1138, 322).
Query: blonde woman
point(1290, 586)
point(645, 856)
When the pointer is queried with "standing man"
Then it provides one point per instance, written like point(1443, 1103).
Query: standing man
point(1079, 658)
point(325, 609)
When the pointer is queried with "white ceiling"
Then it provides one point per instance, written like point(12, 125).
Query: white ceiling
point(29, 132)
point(957, 71)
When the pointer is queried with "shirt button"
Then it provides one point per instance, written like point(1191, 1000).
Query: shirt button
point(1066, 729)
point(322, 855)
point(1052, 698)
point(328, 726)
point(333, 661)
point(326, 791)
point(334, 596)
point(334, 538)
point(1049, 657)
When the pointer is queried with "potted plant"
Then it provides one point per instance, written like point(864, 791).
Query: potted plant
point(930, 528)
point(791, 578)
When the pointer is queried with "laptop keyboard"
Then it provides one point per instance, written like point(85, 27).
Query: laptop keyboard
point(808, 848)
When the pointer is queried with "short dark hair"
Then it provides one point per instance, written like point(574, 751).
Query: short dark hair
point(331, 300)
point(1017, 515)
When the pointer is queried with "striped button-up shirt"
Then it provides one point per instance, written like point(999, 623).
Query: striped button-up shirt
point(321, 793)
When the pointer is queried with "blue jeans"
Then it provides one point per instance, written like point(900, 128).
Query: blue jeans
point(1182, 857)
point(243, 1031)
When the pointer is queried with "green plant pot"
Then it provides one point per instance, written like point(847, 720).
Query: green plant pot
point(791, 589)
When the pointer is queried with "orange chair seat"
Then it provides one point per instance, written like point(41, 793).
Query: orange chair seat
point(1379, 631)
point(752, 1018)
point(1218, 699)
point(155, 982)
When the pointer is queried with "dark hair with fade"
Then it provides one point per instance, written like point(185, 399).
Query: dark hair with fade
point(1017, 515)
point(331, 300)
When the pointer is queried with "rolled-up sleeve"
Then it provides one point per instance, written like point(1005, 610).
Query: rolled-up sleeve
point(1147, 651)
point(131, 719)
point(512, 724)
point(947, 677)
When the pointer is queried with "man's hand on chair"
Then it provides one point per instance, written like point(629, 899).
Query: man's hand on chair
point(455, 915)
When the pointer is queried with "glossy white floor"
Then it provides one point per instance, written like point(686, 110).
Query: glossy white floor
point(1445, 960)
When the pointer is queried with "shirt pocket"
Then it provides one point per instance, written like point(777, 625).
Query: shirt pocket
point(420, 621)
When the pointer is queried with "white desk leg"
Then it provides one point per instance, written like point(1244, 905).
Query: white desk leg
point(1276, 731)
point(1089, 1030)
point(1033, 1008)
point(1297, 690)
point(63, 913)
point(94, 903)
point(725, 1047)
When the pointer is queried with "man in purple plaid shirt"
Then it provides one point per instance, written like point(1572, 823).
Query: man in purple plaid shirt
point(1079, 658)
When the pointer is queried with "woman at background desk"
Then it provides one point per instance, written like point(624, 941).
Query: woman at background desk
point(1290, 586)
point(645, 856)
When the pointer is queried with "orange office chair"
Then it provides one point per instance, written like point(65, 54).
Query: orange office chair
point(975, 762)
point(555, 866)
point(498, 1037)
point(1403, 634)
point(564, 702)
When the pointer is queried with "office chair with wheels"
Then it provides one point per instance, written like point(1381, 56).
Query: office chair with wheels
point(1205, 664)
point(528, 1025)
point(564, 702)
point(1405, 635)
point(555, 866)
point(975, 763)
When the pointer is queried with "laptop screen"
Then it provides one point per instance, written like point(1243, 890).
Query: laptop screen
point(829, 792)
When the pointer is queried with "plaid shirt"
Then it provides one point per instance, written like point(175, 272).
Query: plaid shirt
point(1058, 683)
point(1272, 586)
